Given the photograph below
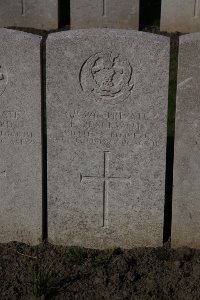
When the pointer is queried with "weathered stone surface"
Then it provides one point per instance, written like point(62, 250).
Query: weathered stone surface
point(105, 13)
point(186, 204)
point(106, 108)
point(180, 15)
point(20, 137)
point(39, 14)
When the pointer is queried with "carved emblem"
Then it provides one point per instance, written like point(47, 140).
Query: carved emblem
point(3, 79)
point(107, 77)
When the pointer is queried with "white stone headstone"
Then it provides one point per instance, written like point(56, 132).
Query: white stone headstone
point(180, 15)
point(20, 138)
point(105, 13)
point(186, 191)
point(107, 124)
point(39, 14)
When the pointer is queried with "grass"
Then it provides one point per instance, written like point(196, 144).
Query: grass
point(105, 257)
point(41, 274)
point(76, 256)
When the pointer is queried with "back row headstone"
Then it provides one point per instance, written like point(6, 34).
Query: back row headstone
point(40, 14)
point(186, 191)
point(20, 138)
point(105, 13)
point(180, 15)
point(107, 125)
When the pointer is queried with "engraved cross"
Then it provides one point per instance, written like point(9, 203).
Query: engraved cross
point(106, 178)
point(23, 7)
point(104, 8)
point(196, 8)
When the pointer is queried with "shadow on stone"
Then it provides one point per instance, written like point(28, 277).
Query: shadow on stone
point(44, 139)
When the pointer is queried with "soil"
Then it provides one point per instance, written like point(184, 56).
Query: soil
point(54, 272)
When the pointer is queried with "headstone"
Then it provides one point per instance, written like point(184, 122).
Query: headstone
point(105, 13)
point(39, 14)
point(107, 122)
point(20, 137)
point(180, 15)
point(186, 204)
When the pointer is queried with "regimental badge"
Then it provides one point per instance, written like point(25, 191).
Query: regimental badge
point(107, 77)
point(3, 79)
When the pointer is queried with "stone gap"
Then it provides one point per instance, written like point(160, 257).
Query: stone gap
point(169, 158)
point(63, 12)
point(150, 11)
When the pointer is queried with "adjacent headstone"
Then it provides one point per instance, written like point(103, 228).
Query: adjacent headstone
point(20, 137)
point(105, 13)
point(39, 14)
point(186, 204)
point(180, 15)
point(107, 123)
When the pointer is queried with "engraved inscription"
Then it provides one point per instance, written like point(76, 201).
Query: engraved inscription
point(14, 128)
point(3, 79)
point(107, 77)
point(105, 178)
point(196, 8)
point(107, 129)
point(2, 173)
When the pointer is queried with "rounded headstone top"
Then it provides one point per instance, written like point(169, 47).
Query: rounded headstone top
point(80, 33)
point(19, 35)
point(190, 37)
